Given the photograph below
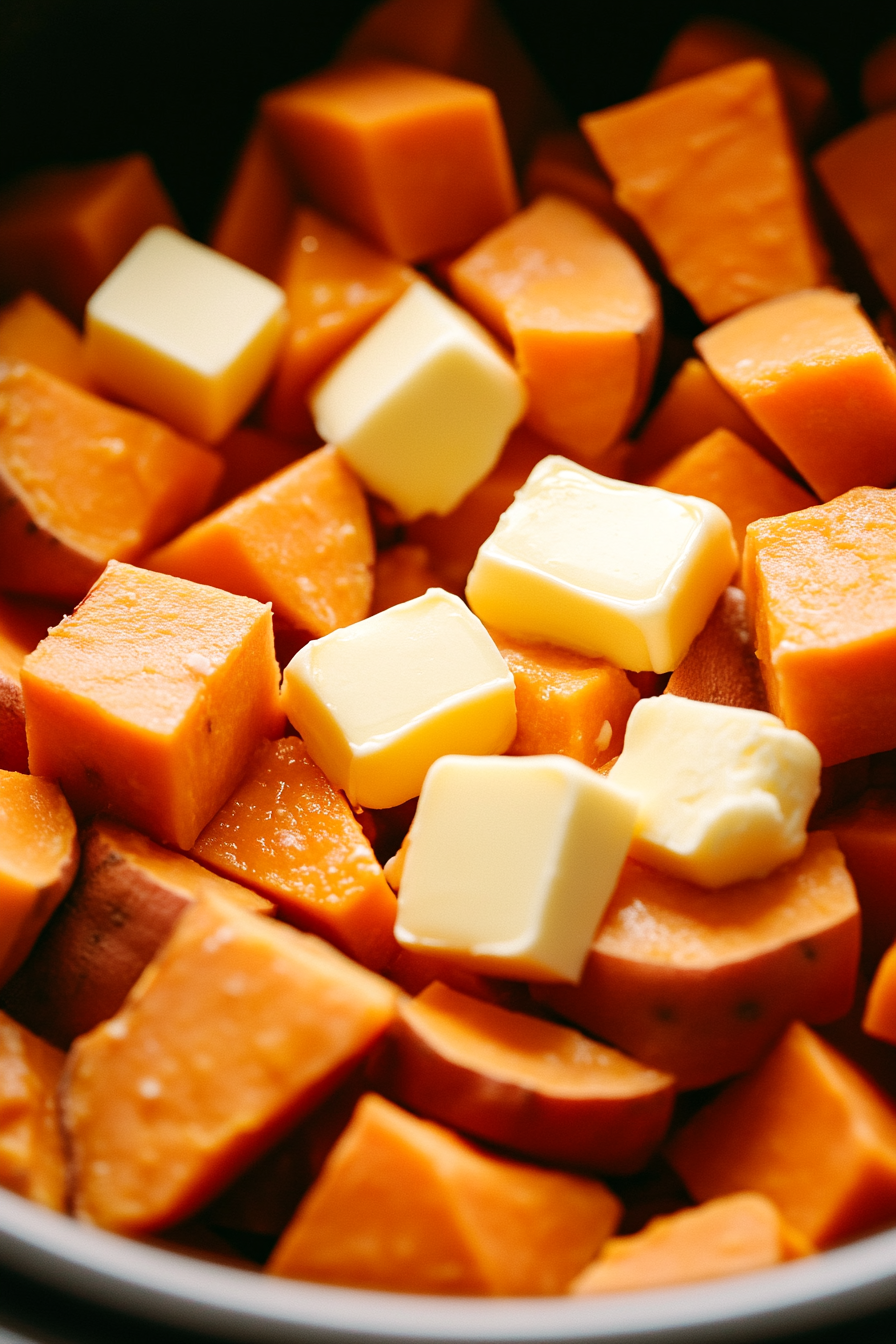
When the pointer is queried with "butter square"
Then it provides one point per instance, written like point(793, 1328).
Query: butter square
point(511, 863)
point(378, 701)
point(185, 333)
point(725, 793)
point(422, 405)
point(606, 568)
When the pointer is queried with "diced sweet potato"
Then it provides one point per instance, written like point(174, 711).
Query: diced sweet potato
point(38, 861)
point(83, 482)
point(721, 666)
point(701, 983)
point(532, 1086)
point(289, 834)
point(127, 899)
point(301, 540)
point(821, 589)
point(733, 1234)
point(404, 1205)
point(866, 833)
point(235, 1031)
point(806, 1129)
point(566, 703)
point(857, 172)
point(708, 169)
point(32, 1161)
point(149, 700)
point(253, 223)
point(581, 313)
point(32, 331)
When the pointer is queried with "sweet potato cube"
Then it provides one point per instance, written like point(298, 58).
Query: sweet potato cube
point(701, 983)
point(721, 666)
point(254, 219)
point(581, 313)
point(708, 169)
point(22, 626)
point(288, 833)
point(806, 1129)
point(404, 1205)
point(232, 1034)
point(301, 540)
point(38, 861)
point(813, 372)
point(32, 1161)
point(83, 482)
point(566, 704)
point(416, 160)
point(866, 833)
point(148, 702)
point(34, 332)
point(724, 469)
point(129, 894)
point(733, 1234)
point(336, 286)
point(532, 1086)
point(62, 230)
point(821, 588)
point(858, 172)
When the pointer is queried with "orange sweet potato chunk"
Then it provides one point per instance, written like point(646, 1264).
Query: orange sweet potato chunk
point(289, 834)
point(254, 219)
point(532, 1086)
point(23, 625)
point(33, 331)
point(416, 160)
point(725, 470)
point(806, 1129)
point(700, 984)
point(879, 76)
point(62, 230)
point(38, 861)
point(566, 703)
point(579, 310)
point(83, 481)
point(148, 702)
point(128, 896)
point(866, 833)
point(32, 1161)
point(721, 666)
point(404, 1205)
point(301, 540)
point(821, 588)
point(692, 406)
point(734, 1234)
point(812, 371)
point(858, 172)
point(707, 168)
point(336, 286)
point(708, 43)
point(233, 1033)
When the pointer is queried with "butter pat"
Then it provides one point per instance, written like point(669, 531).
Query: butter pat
point(377, 702)
point(612, 570)
point(724, 793)
point(511, 863)
point(422, 405)
point(185, 333)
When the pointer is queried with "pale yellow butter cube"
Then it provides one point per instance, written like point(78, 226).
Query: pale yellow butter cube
point(725, 793)
point(379, 701)
point(511, 863)
point(422, 405)
point(612, 570)
point(185, 333)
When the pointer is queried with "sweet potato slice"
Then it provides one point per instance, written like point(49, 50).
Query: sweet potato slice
point(701, 983)
point(858, 172)
point(301, 540)
point(32, 331)
point(38, 861)
point(254, 219)
point(32, 1161)
point(532, 1086)
point(127, 899)
point(289, 834)
point(733, 1234)
point(721, 666)
point(233, 1033)
point(404, 1205)
point(806, 1129)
